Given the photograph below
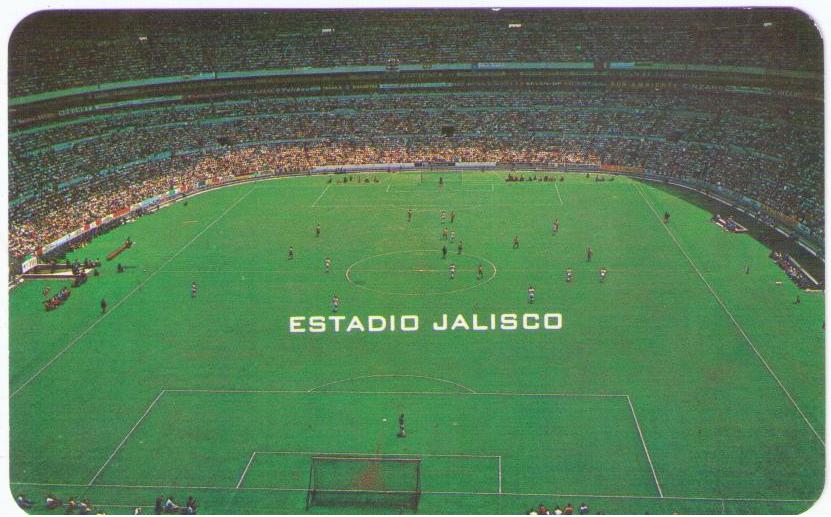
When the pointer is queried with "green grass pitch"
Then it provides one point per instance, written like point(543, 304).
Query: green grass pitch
point(679, 384)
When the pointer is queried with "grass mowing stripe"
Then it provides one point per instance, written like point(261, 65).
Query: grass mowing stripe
point(128, 295)
point(732, 318)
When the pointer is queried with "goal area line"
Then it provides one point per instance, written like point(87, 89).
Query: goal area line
point(372, 456)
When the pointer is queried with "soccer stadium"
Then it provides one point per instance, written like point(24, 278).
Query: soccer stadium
point(477, 261)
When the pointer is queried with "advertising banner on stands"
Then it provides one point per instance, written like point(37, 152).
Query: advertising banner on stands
point(29, 263)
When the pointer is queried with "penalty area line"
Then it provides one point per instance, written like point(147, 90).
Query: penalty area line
point(127, 296)
point(732, 318)
point(126, 437)
point(645, 448)
point(321, 195)
point(557, 189)
point(248, 466)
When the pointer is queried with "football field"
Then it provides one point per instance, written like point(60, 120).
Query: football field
point(679, 384)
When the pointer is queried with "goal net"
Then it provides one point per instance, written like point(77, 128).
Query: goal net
point(364, 481)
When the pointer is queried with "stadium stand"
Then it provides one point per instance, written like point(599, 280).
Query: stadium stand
point(132, 45)
point(762, 143)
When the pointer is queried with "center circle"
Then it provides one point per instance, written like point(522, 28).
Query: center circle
point(419, 272)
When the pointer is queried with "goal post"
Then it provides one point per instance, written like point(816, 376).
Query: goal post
point(371, 481)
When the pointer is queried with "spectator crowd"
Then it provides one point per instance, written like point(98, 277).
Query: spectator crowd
point(66, 175)
point(57, 50)
point(83, 506)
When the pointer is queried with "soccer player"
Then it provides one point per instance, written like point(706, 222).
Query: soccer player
point(193, 289)
point(335, 303)
point(443, 216)
point(797, 301)
point(555, 227)
point(516, 241)
point(532, 293)
point(589, 254)
point(666, 217)
point(401, 432)
point(291, 252)
point(327, 264)
point(452, 271)
point(444, 251)
point(452, 216)
point(603, 272)
point(317, 230)
point(461, 247)
point(569, 275)
point(444, 233)
point(441, 181)
point(453, 236)
point(747, 269)
point(46, 291)
point(480, 272)
point(103, 305)
point(409, 215)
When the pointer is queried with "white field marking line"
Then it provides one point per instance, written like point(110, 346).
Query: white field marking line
point(127, 296)
point(388, 186)
point(393, 375)
point(733, 319)
point(557, 189)
point(415, 270)
point(105, 505)
point(416, 208)
point(645, 448)
point(500, 474)
point(392, 270)
point(321, 194)
point(434, 393)
point(365, 455)
point(126, 437)
point(429, 293)
point(449, 191)
point(797, 264)
point(523, 494)
point(248, 466)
